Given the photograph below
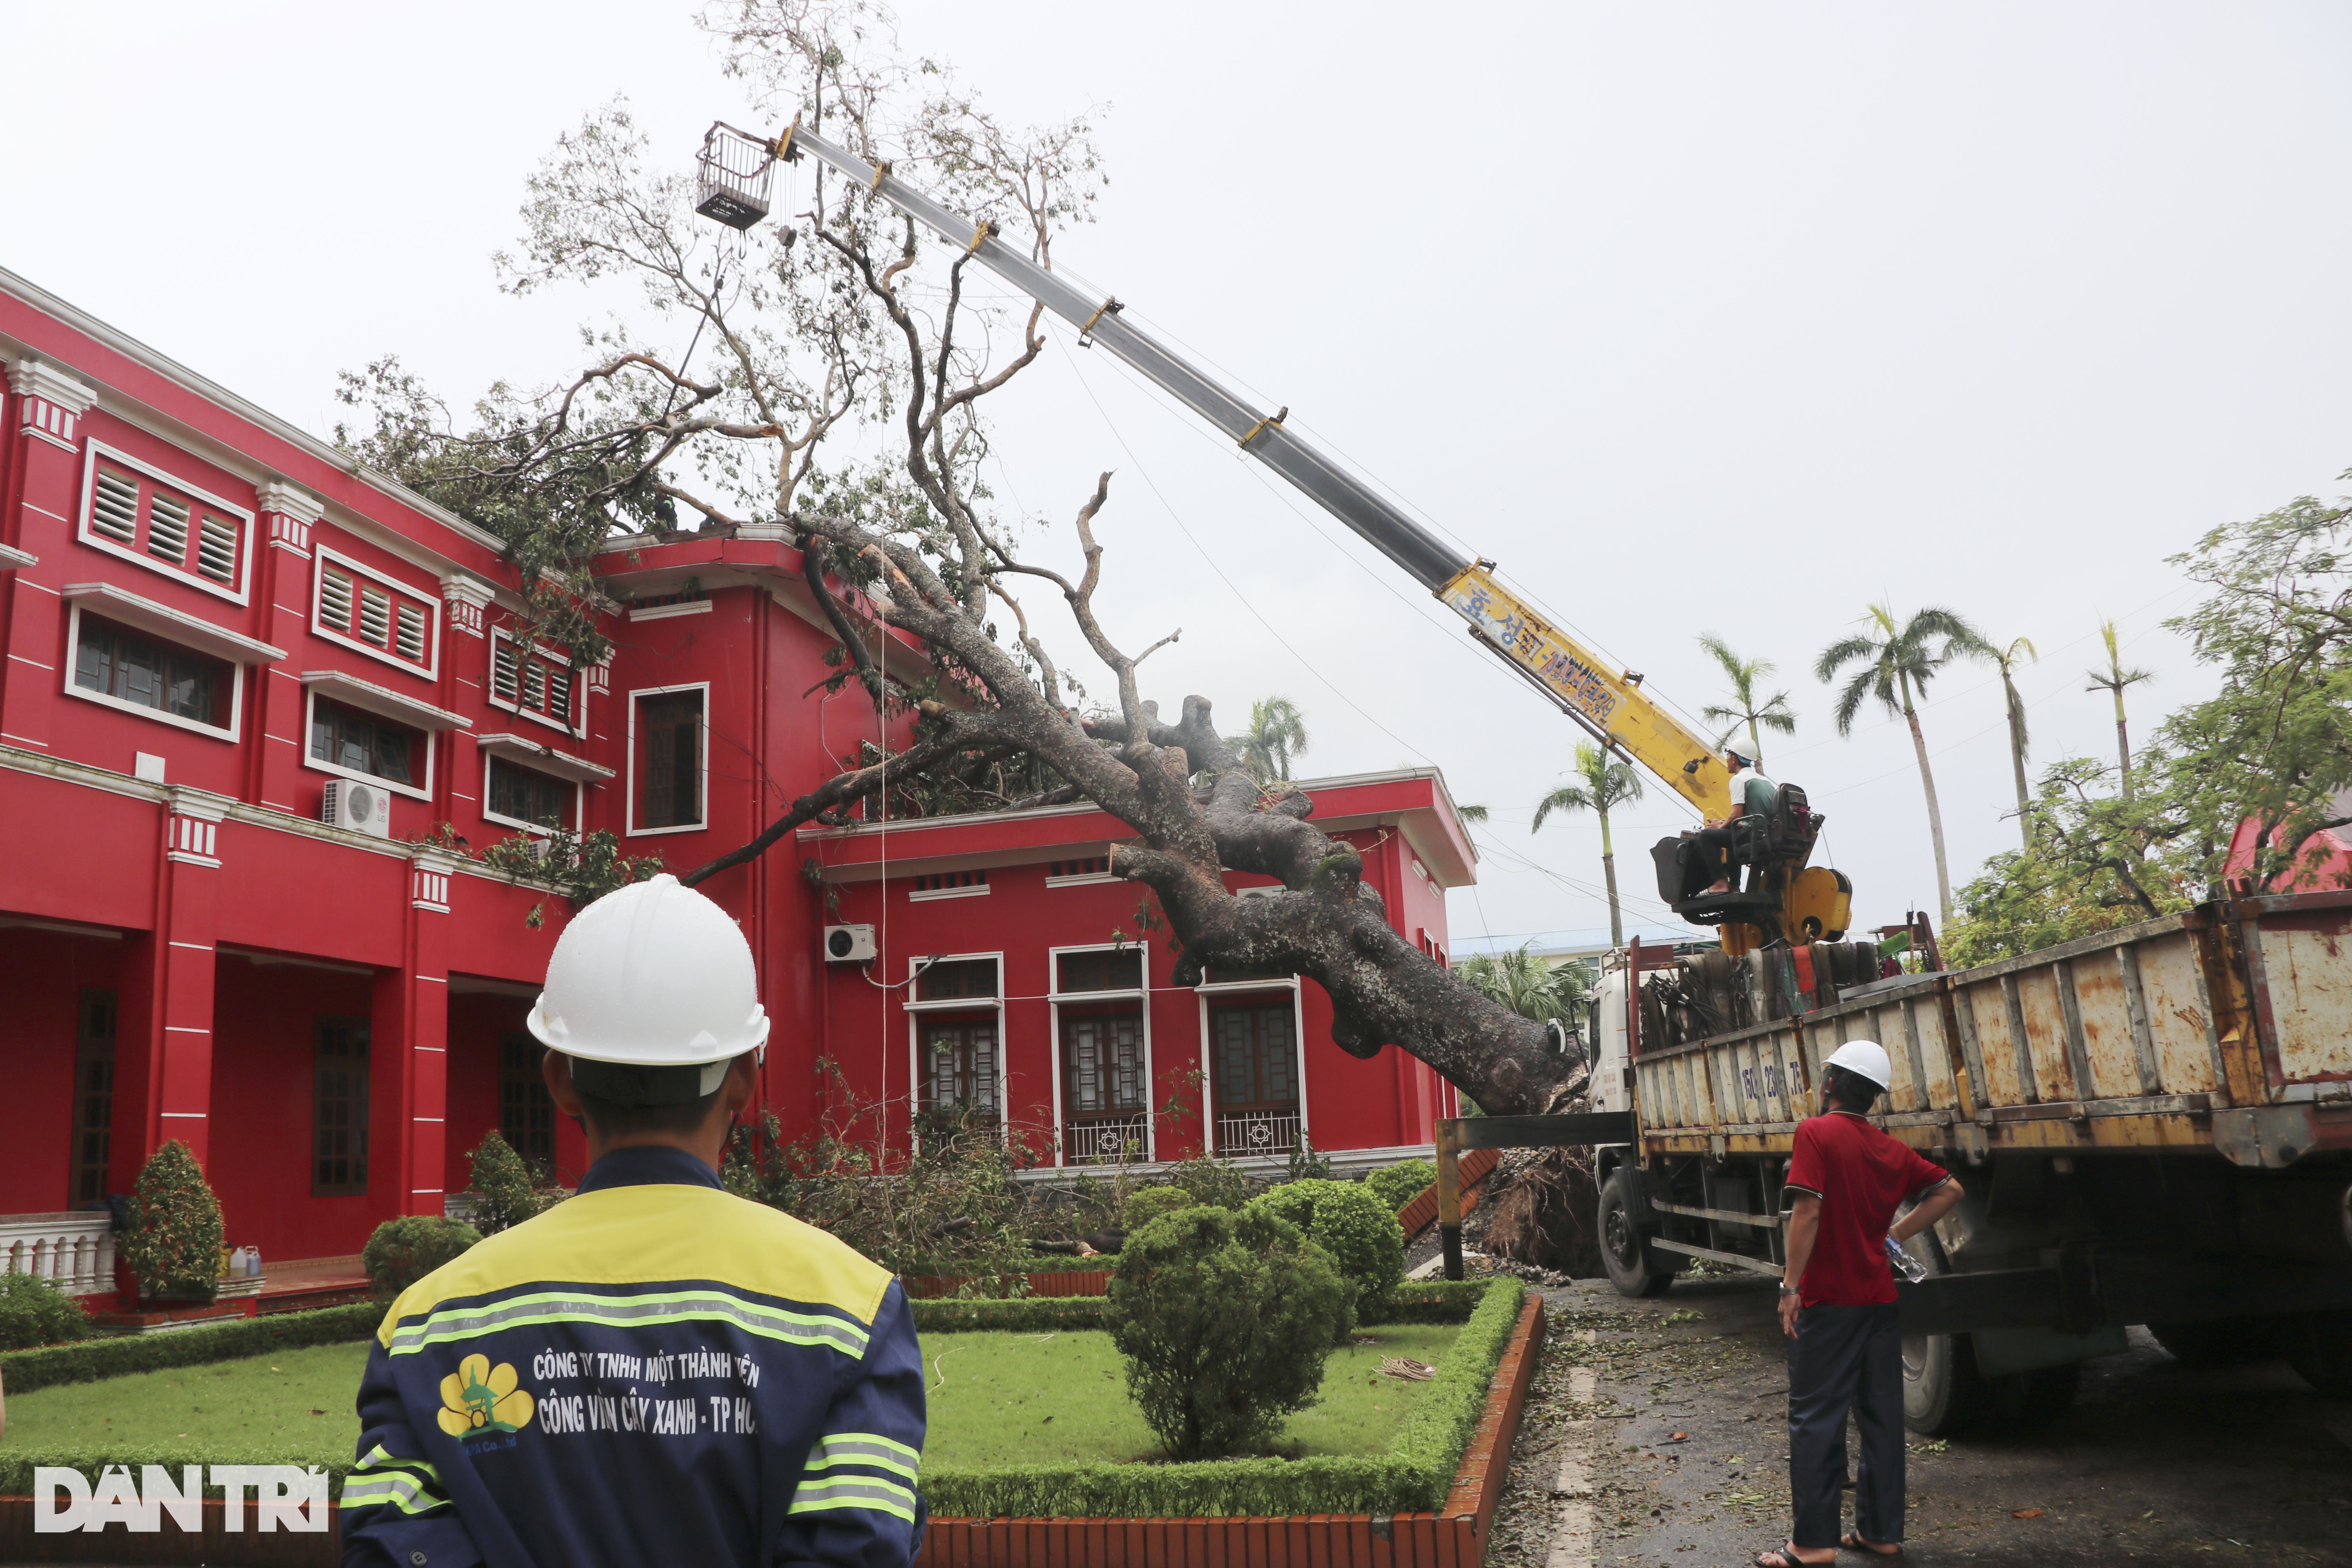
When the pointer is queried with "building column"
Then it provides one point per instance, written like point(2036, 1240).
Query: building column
point(465, 666)
point(163, 1032)
point(409, 1043)
point(45, 469)
point(284, 591)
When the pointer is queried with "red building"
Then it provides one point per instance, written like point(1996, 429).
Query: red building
point(246, 683)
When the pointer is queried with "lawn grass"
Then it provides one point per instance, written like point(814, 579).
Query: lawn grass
point(297, 1402)
point(1000, 1400)
point(1006, 1399)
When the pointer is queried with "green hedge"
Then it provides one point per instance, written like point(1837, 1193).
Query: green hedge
point(1416, 1301)
point(87, 1361)
point(1030, 1314)
point(980, 1268)
point(1415, 1474)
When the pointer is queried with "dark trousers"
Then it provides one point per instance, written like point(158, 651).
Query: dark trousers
point(1845, 1358)
point(1711, 861)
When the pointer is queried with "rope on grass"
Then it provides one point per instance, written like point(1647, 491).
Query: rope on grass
point(934, 1366)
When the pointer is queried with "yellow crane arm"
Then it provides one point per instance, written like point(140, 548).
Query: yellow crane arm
point(1612, 706)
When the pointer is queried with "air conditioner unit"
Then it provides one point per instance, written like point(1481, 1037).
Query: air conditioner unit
point(849, 945)
point(361, 807)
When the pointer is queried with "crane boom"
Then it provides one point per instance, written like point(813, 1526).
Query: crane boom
point(1609, 703)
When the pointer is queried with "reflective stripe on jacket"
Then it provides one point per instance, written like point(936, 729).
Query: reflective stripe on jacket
point(651, 1373)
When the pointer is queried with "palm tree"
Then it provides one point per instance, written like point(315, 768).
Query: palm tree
point(1276, 733)
point(1520, 979)
point(2006, 658)
point(1745, 675)
point(2115, 680)
point(1605, 786)
point(1896, 664)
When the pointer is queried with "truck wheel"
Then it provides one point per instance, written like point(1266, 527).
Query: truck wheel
point(1632, 1268)
point(2318, 1345)
point(1943, 1394)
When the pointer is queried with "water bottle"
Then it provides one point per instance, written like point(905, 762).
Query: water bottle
point(1906, 1265)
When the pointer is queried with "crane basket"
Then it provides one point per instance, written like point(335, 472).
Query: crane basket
point(731, 176)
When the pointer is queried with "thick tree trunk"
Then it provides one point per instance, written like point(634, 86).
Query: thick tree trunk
point(1935, 812)
point(2017, 760)
point(1609, 875)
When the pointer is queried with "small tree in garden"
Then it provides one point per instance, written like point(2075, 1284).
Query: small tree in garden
point(1151, 1203)
point(1348, 1221)
point(1218, 1182)
point(1225, 1320)
point(404, 1250)
point(174, 1241)
point(502, 1187)
point(36, 1313)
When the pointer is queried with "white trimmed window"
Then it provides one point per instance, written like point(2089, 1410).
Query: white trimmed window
point(537, 684)
point(525, 797)
point(380, 616)
point(145, 515)
point(125, 667)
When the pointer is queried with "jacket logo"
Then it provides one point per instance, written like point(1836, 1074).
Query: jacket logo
point(478, 1399)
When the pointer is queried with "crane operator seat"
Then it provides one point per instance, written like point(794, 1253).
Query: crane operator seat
point(1785, 834)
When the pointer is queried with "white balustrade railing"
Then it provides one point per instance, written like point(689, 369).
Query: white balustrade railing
point(75, 1252)
point(1112, 1138)
point(1257, 1132)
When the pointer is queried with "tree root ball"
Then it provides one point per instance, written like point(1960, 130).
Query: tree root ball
point(1541, 1208)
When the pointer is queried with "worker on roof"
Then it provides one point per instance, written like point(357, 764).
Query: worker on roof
point(1752, 795)
point(1846, 1179)
point(653, 1371)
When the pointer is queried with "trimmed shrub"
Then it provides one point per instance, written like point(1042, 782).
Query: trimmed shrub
point(1225, 1321)
point(404, 1250)
point(1144, 1206)
point(1415, 1472)
point(172, 1242)
point(1347, 1221)
point(87, 1361)
point(503, 1194)
point(36, 1313)
point(1397, 1186)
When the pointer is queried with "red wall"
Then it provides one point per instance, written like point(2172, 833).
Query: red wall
point(264, 1040)
point(42, 976)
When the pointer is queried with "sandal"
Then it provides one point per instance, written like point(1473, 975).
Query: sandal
point(1854, 1540)
point(1785, 1556)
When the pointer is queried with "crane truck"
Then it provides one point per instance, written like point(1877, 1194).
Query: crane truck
point(2157, 1122)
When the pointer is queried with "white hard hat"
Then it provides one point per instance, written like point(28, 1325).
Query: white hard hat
point(653, 975)
point(1864, 1058)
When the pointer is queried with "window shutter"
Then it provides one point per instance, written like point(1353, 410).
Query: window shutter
point(558, 694)
point(375, 617)
point(335, 599)
point(412, 631)
point(167, 528)
point(114, 508)
point(502, 670)
point(217, 550)
point(534, 685)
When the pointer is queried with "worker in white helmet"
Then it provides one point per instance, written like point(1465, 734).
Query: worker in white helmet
point(1847, 1180)
point(653, 1371)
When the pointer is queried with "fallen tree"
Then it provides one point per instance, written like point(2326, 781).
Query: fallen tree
point(841, 322)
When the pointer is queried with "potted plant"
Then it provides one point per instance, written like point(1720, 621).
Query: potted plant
point(172, 1242)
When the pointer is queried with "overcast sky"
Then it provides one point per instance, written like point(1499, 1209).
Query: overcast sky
point(1723, 317)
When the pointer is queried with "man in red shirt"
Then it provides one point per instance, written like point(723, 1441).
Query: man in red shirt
point(1846, 1179)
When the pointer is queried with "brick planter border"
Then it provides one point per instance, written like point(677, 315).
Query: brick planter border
point(1454, 1536)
